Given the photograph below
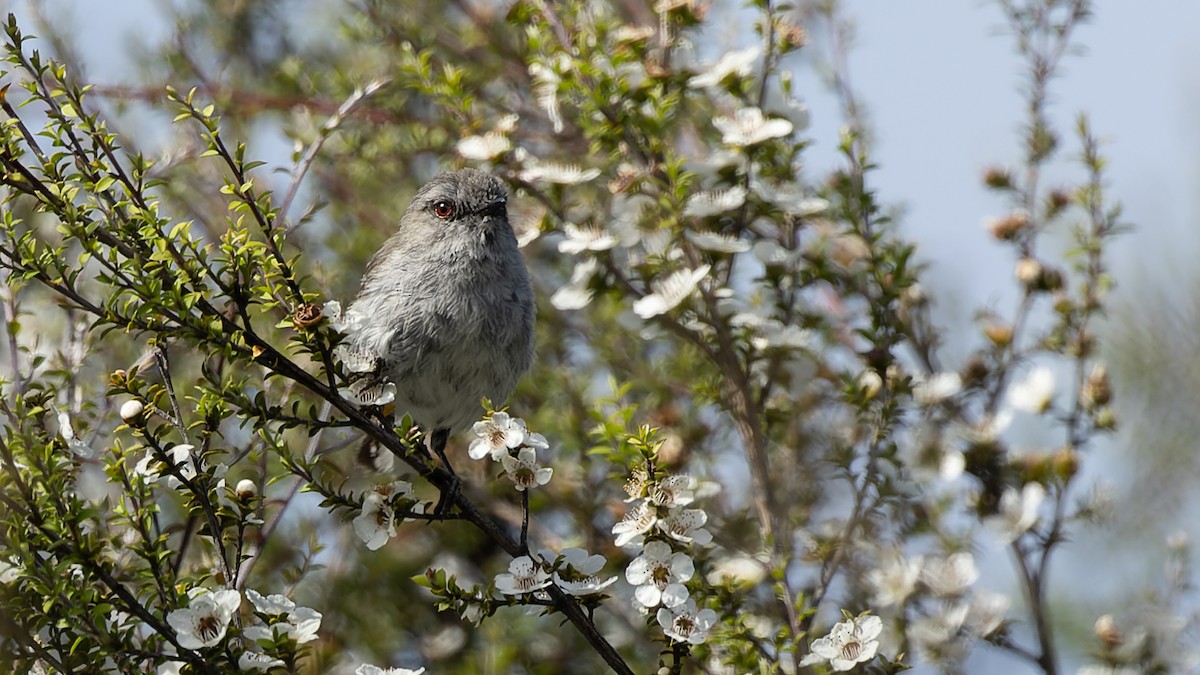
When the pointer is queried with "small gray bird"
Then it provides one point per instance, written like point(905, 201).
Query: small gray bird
point(447, 305)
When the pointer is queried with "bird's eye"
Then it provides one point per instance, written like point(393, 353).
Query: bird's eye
point(443, 209)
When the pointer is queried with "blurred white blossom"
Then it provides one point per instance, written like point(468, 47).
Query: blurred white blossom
point(580, 239)
point(717, 242)
point(936, 387)
point(748, 127)
point(668, 293)
point(714, 202)
point(737, 62)
point(986, 612)
point(894, 579)
point(1034, 393)
point(739, 570)
point(950, 576)
point(484, 147)
point(575, 294)
point(1018, 511)
point(791, 198)
point(545, 87)
point(558, 173)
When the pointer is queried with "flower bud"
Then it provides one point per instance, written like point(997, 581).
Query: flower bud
point(1097, 390)
point(132, 412)
point(1010, 227)
point(1000, 334)
point(996, 177)
point(246, 489)
point(1056, 202)
point(974, 371)
point(1106, 630)
point(118, 378)
point(1066, 463)
point(1028, 270)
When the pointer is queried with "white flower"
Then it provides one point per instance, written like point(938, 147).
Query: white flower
point(714, 202)
point(678, 490)
point(748, 126)
point(580, 239)
point(180, 456)
point(669, 292)
point(558, 173)
point(258, 662)
point(658, 574)
point(1034, 393)
point(717, 242)
point(482, 148)
point(937, 387)
point(368, 669)
point(300, 623)
point(685, 624)
point(535, 440)
point(951, 575)
point(349, 322)
point(10, 570)
point(203, 622)
point(523, 576)
point(524, 469)
point(635, 524)
point(576, 294)
point(356, 360)
point(272, 605)
point(790, 198)
point(497, 435)
point(851, 642)
point(377, 522)
point(686, 525)
point(895, 578)
point(577, 572)
point(74, 443)
point(1018, 511)
point(738, 62)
